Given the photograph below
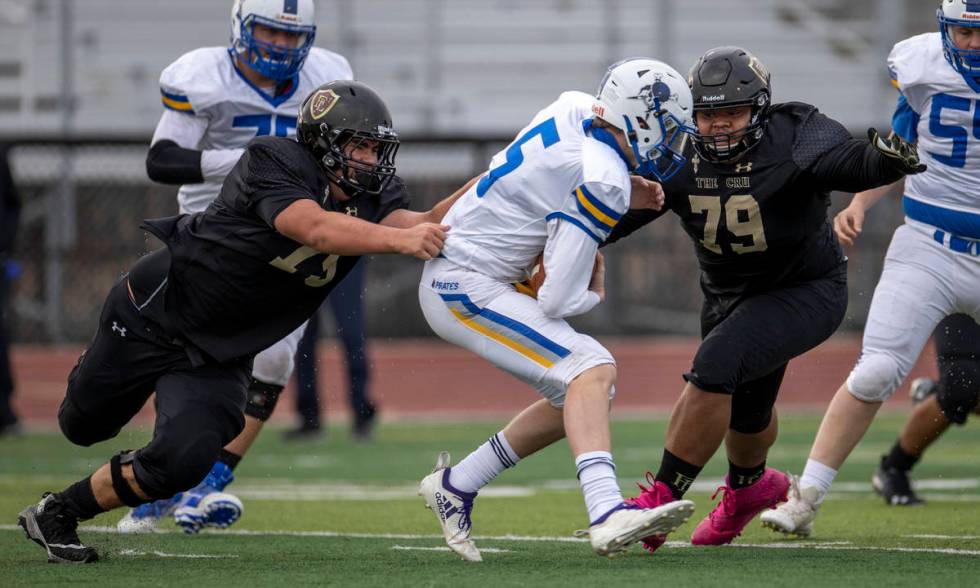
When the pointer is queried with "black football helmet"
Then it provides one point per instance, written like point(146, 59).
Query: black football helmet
point(337, 117)
point(729, 77)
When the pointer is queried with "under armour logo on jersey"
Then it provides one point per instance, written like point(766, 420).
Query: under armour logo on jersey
point(117, 329)
point(351, 210)
point(743, 168)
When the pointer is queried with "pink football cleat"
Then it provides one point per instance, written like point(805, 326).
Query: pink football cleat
point(738, 507)
point(656, 495)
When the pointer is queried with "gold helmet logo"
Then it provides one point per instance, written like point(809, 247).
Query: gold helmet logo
point(322, 102)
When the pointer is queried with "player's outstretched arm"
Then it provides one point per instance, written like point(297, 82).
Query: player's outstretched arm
point(849, 222)
point(403, 218)
point(331, 232)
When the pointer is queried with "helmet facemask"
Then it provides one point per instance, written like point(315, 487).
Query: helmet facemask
point(726, 147)
point(666, 156)
point(354, 176)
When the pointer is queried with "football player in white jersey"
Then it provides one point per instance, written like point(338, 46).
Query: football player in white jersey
point(216, 100)
point(558, 189)
point(932, 269)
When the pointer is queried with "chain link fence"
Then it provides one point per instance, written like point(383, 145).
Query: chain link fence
point(84, 200)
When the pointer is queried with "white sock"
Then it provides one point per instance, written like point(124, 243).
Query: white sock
point(483, 465)
point(597, 476)
point(816, 475)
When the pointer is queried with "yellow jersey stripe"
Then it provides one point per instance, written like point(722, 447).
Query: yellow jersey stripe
point(171, 103)
point(536, 358)
point(595, 212)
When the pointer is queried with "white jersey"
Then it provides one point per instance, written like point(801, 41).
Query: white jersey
point(223, 111)
point(552, 171)
point(943, 112)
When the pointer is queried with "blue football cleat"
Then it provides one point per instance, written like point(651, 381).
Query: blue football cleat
point(206, 505)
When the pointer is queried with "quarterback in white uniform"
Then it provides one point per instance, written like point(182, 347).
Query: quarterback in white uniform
point(559, 188)
point(216, 100)
point(932, 268)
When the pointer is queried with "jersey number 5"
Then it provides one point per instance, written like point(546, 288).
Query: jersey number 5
point(742, 218)
point(547, 130)
point(291, 261)
point(957, 133)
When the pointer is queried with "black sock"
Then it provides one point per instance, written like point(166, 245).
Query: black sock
point(739, 477)
point(677, 474)
point(898, 459)
point(229, 459)
point(79, 500)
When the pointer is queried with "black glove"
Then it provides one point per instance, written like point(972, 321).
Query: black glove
point(900, 153)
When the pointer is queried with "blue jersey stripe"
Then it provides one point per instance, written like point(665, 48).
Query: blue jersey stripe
point(577, 223)
point(956, 222)
point(598, 204)
point(510, 323)
point(174, 97)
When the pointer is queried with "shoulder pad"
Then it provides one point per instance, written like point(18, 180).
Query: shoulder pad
point(911, 59)
point(322, 66)
point(815, 133)
point(194, 81)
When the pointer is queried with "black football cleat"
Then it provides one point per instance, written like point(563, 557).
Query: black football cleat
point(894, 486)
point(47, 524)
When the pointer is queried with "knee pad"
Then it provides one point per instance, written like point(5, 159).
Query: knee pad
point(875, 378)
point(262, 399)
point(119, 483)
point(80, 428)
point(959, 389)
point(275, 364)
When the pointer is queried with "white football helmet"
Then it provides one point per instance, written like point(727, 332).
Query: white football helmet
point(960, 13)
point(650, 102)
point(276, 62)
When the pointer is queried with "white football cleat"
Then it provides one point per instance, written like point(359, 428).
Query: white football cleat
point(627, 524)
point(452, 507)
point(146, 517)
point(796, 515)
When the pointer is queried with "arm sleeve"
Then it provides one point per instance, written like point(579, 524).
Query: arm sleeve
point(825, 150)
point(169, 163)
point(569, 256)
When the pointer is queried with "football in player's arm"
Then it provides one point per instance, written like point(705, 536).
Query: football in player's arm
point(754, 199)
point(270, 248)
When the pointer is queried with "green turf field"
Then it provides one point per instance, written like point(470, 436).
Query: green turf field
point(341, 514)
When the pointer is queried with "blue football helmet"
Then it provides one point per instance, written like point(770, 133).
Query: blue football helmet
point(276, 62)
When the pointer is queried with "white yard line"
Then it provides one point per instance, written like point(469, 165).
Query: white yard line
point(832, 545)
point(957, 537)
point(137, 553)
point(410, 548)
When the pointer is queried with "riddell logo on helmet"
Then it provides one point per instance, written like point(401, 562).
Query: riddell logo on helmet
point(289, 17)
point(322, 102)
point(718, 98)
point(970, 16)
point(598, 110)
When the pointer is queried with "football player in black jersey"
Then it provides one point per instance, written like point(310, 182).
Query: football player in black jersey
point(754, 200)
point(187, 319)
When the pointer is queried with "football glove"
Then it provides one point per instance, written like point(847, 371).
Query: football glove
point(900, 153)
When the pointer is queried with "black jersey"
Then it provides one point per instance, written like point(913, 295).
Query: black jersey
point(761, 221)
point(235, 285)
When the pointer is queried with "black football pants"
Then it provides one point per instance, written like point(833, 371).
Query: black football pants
point(198, 407)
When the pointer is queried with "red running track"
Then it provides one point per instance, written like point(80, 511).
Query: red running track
point(430, 379)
